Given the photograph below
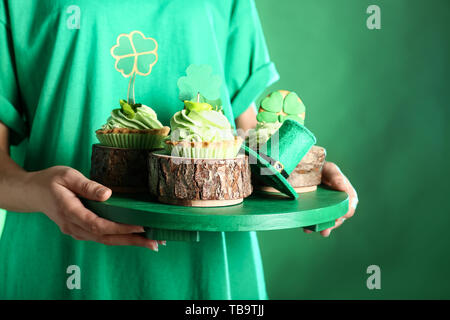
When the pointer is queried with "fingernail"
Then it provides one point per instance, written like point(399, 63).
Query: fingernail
point(139, 230)
point(154, 246)
point(164, 243)
point(101, 192)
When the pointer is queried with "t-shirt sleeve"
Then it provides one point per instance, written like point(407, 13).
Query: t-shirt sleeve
point(248, 70)
point(10, 113)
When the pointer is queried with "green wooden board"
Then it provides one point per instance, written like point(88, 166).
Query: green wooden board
point(316, 210)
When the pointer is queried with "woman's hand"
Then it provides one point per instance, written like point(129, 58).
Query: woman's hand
point(54, 191)
point(333, 177)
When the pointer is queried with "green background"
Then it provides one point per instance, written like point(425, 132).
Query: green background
point(378, 100)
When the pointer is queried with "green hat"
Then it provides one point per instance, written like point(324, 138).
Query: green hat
point(275, 160)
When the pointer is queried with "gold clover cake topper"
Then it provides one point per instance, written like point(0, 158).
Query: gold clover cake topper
point(134, 54)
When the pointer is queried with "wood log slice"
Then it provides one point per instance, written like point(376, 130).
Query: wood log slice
point(306, 176)
point(297, 189)
point(199, 182)
point(309, 171)
point(121, 170)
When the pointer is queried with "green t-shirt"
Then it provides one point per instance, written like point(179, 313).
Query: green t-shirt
point(58, 85)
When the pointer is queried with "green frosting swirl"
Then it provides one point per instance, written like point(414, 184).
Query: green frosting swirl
point(142, 118)
point(201, 125)
point(263, 131)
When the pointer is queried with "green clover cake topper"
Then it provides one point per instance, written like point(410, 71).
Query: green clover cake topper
point(281, 105)
point(134, 54)
point(201, 85)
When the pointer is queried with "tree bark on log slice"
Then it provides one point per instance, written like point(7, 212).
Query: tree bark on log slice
point(309, 171)
point(306, 176)
point(121, 170)
point(199, 182)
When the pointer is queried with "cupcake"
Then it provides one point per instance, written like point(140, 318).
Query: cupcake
point(274, 110)
point(133, 126)
point(262, 132)
point(120, 161)
point(200, 131)
point(200, 165)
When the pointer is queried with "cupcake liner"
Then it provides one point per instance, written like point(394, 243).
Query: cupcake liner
point(131, 140)
point(205, 150)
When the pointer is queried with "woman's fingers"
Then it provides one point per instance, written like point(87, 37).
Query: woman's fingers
point(333, 177)
point(129, 240)
point(82, 186)
point(74, 181)
point(338, 222)
point(326, 232)
point(79, 233)
point(92, 223)
point(91, 227)
point(86, 224)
